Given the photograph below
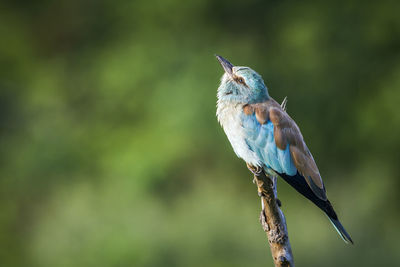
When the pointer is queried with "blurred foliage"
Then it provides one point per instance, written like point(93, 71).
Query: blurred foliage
point(111, 154)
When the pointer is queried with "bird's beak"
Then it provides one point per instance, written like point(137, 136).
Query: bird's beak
point(225, 64)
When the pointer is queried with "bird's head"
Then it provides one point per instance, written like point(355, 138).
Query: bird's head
point(241, 84)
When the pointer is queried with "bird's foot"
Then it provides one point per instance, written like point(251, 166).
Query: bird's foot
point(256, 170)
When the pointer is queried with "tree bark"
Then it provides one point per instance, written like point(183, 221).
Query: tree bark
point(272, 218)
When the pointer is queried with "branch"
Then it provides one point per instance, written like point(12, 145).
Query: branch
point(272, 218)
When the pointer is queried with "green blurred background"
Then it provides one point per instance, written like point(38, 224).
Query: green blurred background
point(111, 154)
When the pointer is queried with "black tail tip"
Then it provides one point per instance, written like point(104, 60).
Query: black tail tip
point(342, 232)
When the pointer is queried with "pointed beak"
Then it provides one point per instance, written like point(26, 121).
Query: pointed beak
point(225, 64)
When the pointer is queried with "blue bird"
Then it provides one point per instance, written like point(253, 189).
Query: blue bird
point(265, 136)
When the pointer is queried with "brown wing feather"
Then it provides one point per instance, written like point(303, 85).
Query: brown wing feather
point(286, 132)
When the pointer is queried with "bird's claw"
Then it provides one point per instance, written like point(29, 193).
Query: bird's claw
point(256, 170)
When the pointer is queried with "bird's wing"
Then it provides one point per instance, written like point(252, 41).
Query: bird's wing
point(276, 138)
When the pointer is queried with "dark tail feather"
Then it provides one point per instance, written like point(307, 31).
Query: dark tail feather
point(299, 183)
point(330, 212)
point(340, 229)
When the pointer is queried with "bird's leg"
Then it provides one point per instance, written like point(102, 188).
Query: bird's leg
point(256, 170)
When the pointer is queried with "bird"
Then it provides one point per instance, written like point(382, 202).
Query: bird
point(263, 134)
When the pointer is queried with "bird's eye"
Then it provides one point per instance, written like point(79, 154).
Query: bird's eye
point(240, 80)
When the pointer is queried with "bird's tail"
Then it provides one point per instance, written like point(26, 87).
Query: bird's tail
point(336, 223)
point(340, 229)
point(299, 183)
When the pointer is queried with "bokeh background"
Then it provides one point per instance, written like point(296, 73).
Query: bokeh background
point(111, 154)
